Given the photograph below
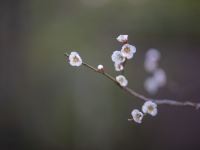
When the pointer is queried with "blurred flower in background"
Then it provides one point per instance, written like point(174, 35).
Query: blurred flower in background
point(158, 77)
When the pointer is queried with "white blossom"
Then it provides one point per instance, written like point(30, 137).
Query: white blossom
point(150, 66)
point(128, 51)
point(122, 38)
point(117, 57)
point(75, 59)
point(151, 60)
point(160, 77)
point(100, 67)
point(137, 116)
point(118, 67)
point(151, 85)
point(153, 55)
point(150, 107)
point(122, 80)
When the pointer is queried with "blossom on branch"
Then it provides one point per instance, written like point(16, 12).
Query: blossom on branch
point(117, 57)
point(122, 38)
point(128, 51)
point(137, 116)
point(75, 59)
point(119, 67)
point(122, 80)
point(150, 107)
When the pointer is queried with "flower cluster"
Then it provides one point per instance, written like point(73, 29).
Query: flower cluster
point(119, 57)
point(158, 77)
point(148, 107)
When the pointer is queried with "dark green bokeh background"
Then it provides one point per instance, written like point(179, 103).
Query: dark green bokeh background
point(45, 104)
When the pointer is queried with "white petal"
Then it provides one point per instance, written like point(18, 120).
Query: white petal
point(154, 112)
point(122, 38)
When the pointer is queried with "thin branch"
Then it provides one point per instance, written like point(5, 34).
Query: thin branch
point(140, 96)
point(177, 103)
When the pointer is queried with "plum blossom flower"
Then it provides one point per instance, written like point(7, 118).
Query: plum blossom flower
point(122, 38)
point(128, 51)
point(150, 107)
point(119, 67)
point(122, 80)
point(75, 59)
point(137, 116)
point(117, 57)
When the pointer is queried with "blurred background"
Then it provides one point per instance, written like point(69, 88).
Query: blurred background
point(45, 104)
